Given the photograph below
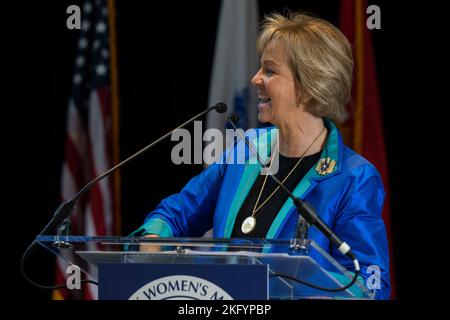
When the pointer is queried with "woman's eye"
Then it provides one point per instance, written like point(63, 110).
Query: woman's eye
point(269, 72)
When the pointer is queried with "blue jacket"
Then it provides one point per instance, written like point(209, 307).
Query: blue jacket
point(347, 193)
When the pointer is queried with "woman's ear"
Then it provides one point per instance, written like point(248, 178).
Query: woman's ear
point(302, 97)
point(298, 88)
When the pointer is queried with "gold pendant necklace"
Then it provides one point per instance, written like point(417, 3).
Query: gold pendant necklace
point(248, 225)
point(250, 222)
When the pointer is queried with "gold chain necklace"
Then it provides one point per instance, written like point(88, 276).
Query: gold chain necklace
point(250, 222)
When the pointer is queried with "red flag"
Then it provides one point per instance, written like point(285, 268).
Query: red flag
point(363, 126)
point(91, 136)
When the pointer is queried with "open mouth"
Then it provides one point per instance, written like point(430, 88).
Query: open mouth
point(263, 100)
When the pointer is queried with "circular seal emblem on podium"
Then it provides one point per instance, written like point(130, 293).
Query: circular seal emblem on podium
point(180, 287)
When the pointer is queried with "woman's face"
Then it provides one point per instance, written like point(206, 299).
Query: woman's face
point(275, 87)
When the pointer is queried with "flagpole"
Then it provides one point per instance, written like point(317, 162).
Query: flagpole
point(115, 116)
point(359, 94)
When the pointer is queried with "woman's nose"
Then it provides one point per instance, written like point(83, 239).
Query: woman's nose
point(257, 79)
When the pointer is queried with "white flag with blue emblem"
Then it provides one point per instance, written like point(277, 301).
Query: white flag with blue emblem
point(235, 63)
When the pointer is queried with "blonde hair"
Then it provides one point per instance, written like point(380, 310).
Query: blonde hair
point(319, 57)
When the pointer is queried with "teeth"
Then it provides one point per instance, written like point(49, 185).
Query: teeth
point(263, 99)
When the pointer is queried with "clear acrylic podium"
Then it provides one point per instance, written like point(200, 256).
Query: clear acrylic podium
point(283, 257)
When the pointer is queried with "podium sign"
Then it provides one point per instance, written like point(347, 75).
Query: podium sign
point(142, 281)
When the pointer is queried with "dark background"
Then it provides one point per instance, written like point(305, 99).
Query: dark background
point(165, 53)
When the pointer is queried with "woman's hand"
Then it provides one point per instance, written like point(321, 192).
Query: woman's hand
point(149, 246)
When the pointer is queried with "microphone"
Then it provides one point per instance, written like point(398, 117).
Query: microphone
point(220, 107)
point(305, 210)
point(66, 208)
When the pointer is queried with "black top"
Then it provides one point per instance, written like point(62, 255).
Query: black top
point(265, 216)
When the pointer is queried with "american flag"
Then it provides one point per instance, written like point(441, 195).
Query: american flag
point(89, 135)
